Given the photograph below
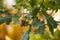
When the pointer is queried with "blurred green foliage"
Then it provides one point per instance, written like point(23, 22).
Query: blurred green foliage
point(1, 4)
point(46, 36)
point(37, 7)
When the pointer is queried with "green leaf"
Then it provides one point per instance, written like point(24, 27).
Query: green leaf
point(41, 28)
point(8, 19)
point(18, 1)
point(52, 4)
point(57, 2)
point(33, 2)
point(2, 20)
point(46, 4)
point(51, 23)
point(15, 18)
point(25, 35)
point(39, 24)
point(35, 22)
point(33, 13)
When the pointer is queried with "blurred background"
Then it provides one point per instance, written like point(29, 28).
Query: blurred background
point(12, 19)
